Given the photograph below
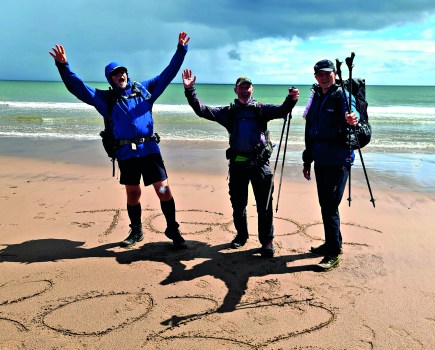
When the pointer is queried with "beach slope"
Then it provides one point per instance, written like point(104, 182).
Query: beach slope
point(65, 283)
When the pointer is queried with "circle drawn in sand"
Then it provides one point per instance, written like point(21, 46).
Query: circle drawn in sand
point(197, 343)
point(283, 317)
point(7, 326)
point(319, 237)
point(10, 333)
point(97, 313)
point(280, 224)
point(14, 292)
point(116, 217)
point(193, 221)
point(297, 227)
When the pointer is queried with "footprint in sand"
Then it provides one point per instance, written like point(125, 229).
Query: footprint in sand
point(83, 224)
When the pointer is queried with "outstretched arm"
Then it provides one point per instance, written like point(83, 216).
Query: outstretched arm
point(75, 85)
point(217, 114)
point(158, 84)
point(280, 111)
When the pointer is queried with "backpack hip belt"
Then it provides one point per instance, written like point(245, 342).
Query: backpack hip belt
point(154, 137)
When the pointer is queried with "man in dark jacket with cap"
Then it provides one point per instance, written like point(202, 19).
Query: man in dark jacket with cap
point(326, 118)
point(248, 155)
point(127, 107)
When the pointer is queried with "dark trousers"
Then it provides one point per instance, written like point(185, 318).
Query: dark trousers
point(260, 177)
point(331, 182)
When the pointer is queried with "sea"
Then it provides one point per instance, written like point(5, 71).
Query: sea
point(402, 119)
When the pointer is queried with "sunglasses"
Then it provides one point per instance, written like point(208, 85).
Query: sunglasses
point(117, 71)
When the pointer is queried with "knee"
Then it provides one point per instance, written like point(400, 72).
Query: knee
point(238, 208)
point(133, 195)
point(164, 193)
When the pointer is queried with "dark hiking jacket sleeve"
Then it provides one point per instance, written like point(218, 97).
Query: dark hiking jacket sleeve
point(246, 124)
point(221, 114)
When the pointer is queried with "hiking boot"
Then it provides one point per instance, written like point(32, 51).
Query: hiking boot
point(238, 241)
point(267, 250)
point(175, 235)
point(321, 250)
point(329, 262)
point(135, 235)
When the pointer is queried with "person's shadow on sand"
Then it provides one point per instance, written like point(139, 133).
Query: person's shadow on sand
point(233, 267)
point(51, 249)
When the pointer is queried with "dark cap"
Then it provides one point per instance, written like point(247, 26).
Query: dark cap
point(243, 80)
point(325, 65)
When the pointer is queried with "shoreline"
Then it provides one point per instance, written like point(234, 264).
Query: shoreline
point(405, 172)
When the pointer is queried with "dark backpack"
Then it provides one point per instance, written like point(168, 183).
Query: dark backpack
point(263, 151)
point(107, 136)
point(359, 136)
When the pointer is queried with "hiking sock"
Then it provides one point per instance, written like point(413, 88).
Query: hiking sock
point(168, 209)
point(134, 213)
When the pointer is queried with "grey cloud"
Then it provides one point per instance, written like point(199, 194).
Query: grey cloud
point(93, 30)
point(272, 18)
point(234, 55)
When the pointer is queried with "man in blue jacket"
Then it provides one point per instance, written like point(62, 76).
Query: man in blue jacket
point(250, 149)
point(326, 124)
point(127, 107)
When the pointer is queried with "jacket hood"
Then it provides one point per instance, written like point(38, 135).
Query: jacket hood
point(110, 67)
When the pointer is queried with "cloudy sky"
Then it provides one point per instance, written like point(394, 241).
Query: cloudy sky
point(272, 41)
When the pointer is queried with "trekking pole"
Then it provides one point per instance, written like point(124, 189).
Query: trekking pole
point(283, 161)
point(349, 63)
point(348, 104)
point(276, 163)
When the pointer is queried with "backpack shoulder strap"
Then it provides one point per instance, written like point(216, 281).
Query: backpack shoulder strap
point(113, 98)
point(257, 108)
point(259, 113)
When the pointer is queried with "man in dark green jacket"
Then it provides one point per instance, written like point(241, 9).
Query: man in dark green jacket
point(250, 149)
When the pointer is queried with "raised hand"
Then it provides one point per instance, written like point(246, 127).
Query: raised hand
point(58, 53)
point(188, 81)
point(183, 39)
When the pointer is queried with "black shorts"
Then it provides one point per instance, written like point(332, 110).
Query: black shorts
point(150, 167)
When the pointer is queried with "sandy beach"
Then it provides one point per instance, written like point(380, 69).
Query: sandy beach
point(66, 284)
